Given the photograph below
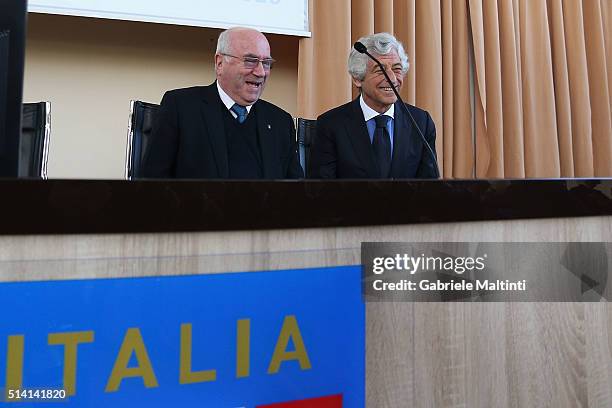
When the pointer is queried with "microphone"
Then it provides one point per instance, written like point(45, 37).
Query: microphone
point(362, 49)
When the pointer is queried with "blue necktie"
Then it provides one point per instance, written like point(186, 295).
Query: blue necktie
point(382, 145)
point(240, 111)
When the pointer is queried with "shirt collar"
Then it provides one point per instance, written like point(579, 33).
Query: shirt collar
point(369, 113)
point(227, 100)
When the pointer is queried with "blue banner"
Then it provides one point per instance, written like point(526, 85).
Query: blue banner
point(227, 340)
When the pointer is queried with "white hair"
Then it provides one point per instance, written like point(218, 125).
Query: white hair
point(379, 44)
point(223, 43)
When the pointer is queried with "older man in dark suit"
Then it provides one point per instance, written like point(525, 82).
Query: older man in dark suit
point(224, 130)
point(372, 137)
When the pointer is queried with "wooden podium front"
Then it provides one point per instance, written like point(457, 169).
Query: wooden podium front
point(417, 354)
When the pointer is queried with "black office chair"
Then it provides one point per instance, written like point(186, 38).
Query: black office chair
point(142, 116)
point(306, 129)
point(34, 143)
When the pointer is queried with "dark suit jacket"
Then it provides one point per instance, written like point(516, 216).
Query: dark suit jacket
point(189, 140)
point(341, 147)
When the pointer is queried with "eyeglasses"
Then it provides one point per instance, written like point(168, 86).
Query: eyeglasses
point(253, 62)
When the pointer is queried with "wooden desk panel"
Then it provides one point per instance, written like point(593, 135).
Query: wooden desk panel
point(418, 354)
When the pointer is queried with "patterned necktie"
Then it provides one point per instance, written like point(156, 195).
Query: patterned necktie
point(382, 145)
point(240, 111)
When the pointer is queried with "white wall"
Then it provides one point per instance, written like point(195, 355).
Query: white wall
point(89, 69)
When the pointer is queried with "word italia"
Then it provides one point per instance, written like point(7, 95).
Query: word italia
point(426, 285)
point(133, 345)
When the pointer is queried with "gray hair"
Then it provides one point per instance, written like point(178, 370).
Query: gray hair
point(223, 43)
point(380, 44)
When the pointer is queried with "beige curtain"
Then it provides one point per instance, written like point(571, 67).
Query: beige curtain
point(517, 88)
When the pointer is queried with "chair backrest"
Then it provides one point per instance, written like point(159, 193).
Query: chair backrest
point(142, 117)
point(306, 130)
point(34, 143)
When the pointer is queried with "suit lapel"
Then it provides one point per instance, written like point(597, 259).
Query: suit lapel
point(212, 114)
point(402, 139)
point(267, 145)
point(360, 138)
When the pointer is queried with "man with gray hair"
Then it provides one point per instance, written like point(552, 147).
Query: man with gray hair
point(372, 137)
point(224, 130)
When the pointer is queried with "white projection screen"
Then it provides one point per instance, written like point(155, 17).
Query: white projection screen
point(270, 16)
